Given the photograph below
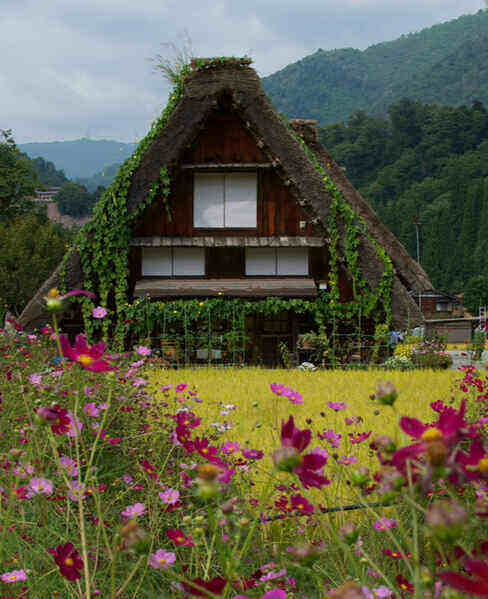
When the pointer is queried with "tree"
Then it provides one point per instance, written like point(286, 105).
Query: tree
point(74, 199)
point(476, 293)
point(30, 249)
point(17, 179)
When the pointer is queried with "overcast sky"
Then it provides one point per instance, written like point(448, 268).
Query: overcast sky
point(81, 68)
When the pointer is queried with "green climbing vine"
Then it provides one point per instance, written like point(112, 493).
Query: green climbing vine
point(367, 301)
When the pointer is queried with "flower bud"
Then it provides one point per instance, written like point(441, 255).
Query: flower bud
point(46, 415)
point(305, 554)
point(349, 533)
point(349, 590)
point(286, 458)
point(360, 476)
point(436, 453)
point(53, 300)
point(243, 522)
point(208, 471)
point(383, 443)
point(136, 539)
point(207, 489)
point(446, 519)
point(386, 393)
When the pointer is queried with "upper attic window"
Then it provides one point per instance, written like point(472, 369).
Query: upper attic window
point(225, 200)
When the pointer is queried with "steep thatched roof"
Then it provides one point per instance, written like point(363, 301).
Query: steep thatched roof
point(203, 90)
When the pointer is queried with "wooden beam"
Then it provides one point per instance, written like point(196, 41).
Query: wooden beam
point(228, 241)
point(227, 165)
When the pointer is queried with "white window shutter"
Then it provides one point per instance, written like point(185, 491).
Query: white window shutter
point(260, 261)
point(292, 261)
point(189, 261)
point(156, 262)
point(208, 202)
point(240, 200)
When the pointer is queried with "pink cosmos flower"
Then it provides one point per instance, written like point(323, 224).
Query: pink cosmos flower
point(88, 357)
point(14, 576)
point(91, 409)
point(330, 436)
point(75, 425)
point(35, 379)
point(23, 470)
point(170, 496)
point(68, 465)
point(359, 437)
point(229, 447)
point(99, 312)
point(134, 511)
point(337, 405)
point(41, 485)
point(181, 387)
point(252, 454)
point(143, 350)
point(385, 523)
point(161, 559)
point(76, 490)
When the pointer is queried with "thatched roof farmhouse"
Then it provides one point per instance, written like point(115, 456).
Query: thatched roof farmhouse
point(220, 187)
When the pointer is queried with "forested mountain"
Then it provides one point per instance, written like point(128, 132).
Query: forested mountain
point(425, 163)
point(47, 174)
point(81, 157)
point(446, 63)
point(102, 178)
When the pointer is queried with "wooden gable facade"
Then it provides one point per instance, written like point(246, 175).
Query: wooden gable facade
point(225, 146)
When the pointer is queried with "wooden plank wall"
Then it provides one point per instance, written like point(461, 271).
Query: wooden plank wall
point(225, 140)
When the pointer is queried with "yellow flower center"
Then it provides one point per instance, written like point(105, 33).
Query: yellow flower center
point(85, 360)
point(432, 434)
point(483, 465)
point(53, 292)
point(180, 539)
point(403, 587)
point(68, 561)
point(162, 561)
point(300, 506)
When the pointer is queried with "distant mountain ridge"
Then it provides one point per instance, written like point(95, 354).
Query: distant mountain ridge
point(80, 158)
point(446, 63)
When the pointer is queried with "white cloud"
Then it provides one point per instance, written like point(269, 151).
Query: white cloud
point(75, 67)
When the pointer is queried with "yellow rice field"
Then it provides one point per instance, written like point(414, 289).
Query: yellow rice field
point(256, 420)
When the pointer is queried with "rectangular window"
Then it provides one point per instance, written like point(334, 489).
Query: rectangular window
point(169, 262)
point(276, 261)
point(225, 200)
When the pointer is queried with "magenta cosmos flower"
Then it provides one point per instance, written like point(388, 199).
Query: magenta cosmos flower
point(57, 417)
point(448, 430)
point(87, 356)
point(477, 584)
point(307, 467)
point(68, 559)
